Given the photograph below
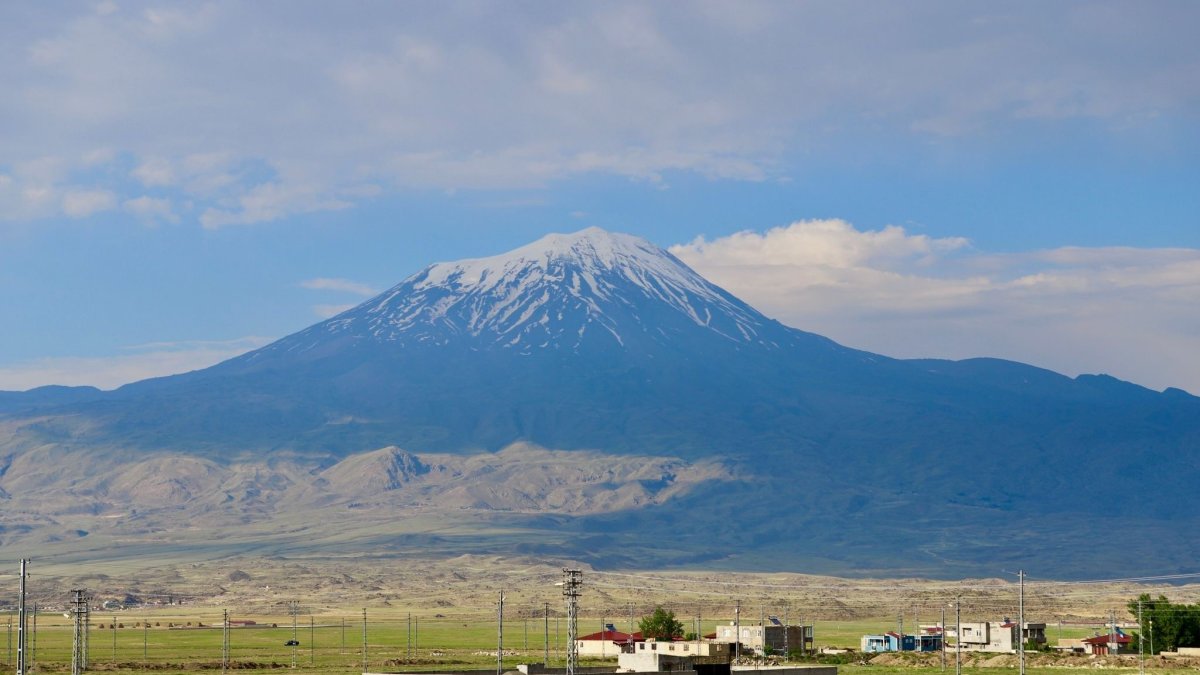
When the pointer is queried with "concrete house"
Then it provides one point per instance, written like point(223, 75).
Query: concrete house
point(775, 638)
point(705, 658)
point(997, 636)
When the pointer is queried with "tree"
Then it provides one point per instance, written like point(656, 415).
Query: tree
point(661, 625)
point(1174, 625)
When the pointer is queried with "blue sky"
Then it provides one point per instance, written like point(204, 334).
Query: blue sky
point(182, 182)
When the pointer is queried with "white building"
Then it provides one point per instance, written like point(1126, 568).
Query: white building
point(996, 636)
point(654, 656)
point(776, 638)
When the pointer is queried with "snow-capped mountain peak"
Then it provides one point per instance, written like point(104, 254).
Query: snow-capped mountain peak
point(593, 253)
point(563, 291)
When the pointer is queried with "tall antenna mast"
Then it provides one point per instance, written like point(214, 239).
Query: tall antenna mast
point(80, 615)
point(572, 583)
point(22, 621)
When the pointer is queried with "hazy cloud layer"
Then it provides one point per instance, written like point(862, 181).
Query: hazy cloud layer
point(326, 310)
point(110, 372)
point(1133, 313)
point(340, 285)
point(235, 113)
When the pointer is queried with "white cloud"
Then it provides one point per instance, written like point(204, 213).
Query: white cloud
point(1133, 313)
point(155, 172)
point(448, 96)
point(44, 186)
point(83, 203)
point(326, 311)
point(109, 372)
point(824, 243)
point(98, 157)
point(271, 201)
point(342, 285)
point(151, 209)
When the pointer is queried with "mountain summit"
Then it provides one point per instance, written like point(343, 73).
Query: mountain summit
point(605, 345)
point(588, 291)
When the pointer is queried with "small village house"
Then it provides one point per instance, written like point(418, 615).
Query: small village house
point(1111, 643)
point(607, 643)
point(775, 638)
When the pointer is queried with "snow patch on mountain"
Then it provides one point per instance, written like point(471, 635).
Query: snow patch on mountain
point(557, 292)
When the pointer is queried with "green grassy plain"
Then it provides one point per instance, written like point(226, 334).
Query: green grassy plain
point(332, 642)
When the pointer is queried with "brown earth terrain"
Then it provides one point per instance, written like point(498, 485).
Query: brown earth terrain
point(468, 586)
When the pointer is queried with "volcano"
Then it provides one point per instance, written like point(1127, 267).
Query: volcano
point(603, 343)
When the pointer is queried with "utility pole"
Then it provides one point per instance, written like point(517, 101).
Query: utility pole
point(343, 650)
point(737, 631)
point(312, 641)
point(546, 640)
point(1021, 621)
point(1112, 633)
point(10, 642)
point(943, 636)
point(957, 635)
point(408, 639)
point(786, 641)
point(1141, 651)
point(294, 609)
point(87, 631)
point(225, 642)
point(572, 584)
point(21, 621)
point(145, 641)
point(500, 635)
point(113, 628)
point(33, 647)
point(364, 641)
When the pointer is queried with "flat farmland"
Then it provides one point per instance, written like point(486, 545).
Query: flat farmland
point(170, 640)
point(430, 614)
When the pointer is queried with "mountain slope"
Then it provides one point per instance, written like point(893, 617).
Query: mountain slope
point(585, 340)
point(598, 341)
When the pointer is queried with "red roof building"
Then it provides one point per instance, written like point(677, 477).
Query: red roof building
point(612, 636)
point(606, 643)
point(1101, 644)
